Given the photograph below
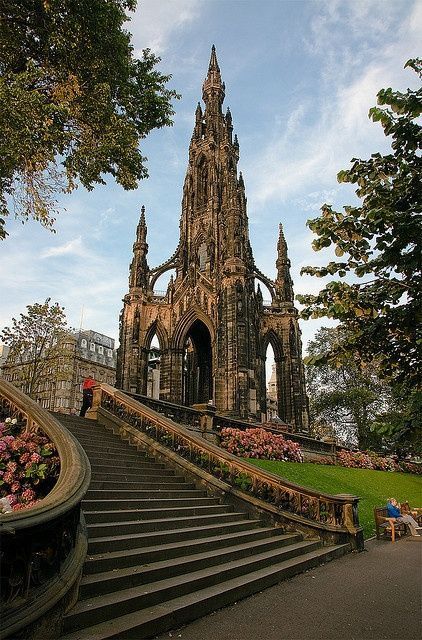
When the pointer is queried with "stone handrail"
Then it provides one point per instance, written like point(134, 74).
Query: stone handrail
point(193, 418)
point(43, 547)
point(337, 514)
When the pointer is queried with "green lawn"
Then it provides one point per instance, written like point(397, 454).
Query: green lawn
point(373, 487)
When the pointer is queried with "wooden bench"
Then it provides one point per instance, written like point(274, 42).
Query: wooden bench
point(386, 525)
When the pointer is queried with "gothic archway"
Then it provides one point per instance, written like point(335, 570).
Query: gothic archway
point(197, 384)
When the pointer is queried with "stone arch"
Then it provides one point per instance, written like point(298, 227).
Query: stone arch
point(156, 328)
point(271, 337)
point(184, 324)
point(159, 271)
point(194, 340)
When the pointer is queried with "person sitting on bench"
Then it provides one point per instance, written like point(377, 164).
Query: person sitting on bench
point(393, 510)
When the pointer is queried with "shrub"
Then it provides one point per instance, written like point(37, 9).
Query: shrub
point(29, 465)
point(372, 460)
point(258, 443)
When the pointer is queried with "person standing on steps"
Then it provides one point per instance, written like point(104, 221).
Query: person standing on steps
point(87, 394)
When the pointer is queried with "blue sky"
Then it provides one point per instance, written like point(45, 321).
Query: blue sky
point(300, 78)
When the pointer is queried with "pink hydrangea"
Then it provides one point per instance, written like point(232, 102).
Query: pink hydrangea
point(15, 487)
point(30, 465)
point(259, 443)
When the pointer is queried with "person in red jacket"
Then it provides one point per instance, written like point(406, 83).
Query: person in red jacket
point(87, 395)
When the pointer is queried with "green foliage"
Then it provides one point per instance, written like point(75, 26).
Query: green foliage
point(401, 423)
point(74, 102)
point(345, 395)
point(373, 487)
point(39, 347)
point(380, 242)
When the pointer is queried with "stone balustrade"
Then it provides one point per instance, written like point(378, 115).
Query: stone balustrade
point(43, 548)
point(337, 516)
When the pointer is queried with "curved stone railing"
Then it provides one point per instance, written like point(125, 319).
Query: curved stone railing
point(43, 548)
point(197, 419)
point(336, 516)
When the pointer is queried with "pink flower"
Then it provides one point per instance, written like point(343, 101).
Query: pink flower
point(28, 495)
point(15, 487)
point(35, 457)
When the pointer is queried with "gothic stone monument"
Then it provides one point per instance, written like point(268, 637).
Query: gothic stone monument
point(212, 325)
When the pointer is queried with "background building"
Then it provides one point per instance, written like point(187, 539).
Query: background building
point(84, 353)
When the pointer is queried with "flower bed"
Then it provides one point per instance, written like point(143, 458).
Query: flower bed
point(371, 460)
point(259, 443)
point(29, 466)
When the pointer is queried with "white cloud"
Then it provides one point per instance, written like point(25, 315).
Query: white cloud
point(73, 247)
point(154, 23)
point(323, 136)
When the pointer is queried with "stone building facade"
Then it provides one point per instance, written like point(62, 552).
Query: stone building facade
point(84, 353)
point(212, 325)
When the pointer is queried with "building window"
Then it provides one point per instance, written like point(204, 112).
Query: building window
point(100, 349)
point(109, 353)
point(83, 342)
point(92, 346)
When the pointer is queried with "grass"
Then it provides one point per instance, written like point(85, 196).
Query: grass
point(373, 487)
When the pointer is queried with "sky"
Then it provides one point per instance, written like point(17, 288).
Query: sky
point(300, 75)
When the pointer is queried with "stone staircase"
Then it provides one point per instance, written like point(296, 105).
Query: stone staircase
point(161, 552)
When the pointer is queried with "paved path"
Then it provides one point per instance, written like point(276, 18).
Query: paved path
point(373, 595)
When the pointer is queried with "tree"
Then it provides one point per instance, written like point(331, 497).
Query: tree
point(39, 350)
point(400, 426)
point(74, 102)
point(344, 396)
point(381, 241)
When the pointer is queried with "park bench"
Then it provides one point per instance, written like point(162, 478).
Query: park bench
point(389, 526)
point(386, 525)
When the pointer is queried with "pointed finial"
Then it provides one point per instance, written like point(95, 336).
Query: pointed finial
point(141, 231)
point(281, 245)
point(213, 88)
point(213, 65)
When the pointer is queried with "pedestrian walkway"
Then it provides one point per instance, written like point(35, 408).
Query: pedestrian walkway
point(373, 595)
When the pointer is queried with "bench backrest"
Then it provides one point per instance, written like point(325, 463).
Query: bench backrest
point(380, 513)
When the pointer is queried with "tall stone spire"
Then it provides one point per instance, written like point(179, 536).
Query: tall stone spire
point(283, 283)
point(139, 271)
point(213, 89)
point(212, 324)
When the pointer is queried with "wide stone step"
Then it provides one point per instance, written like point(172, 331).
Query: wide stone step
point(108, 448)
point(151, 513)
point(131, 475)
point(109, 606)
point(98, 563)
point(93, 433)
point(108, 463)
point(111, 472)
point(120, 542)
point(160, 524)
point(157, 497)
point(144, 481)
point(154, 490)
point(116, 458)
point(280, 547)
point(171, 613)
